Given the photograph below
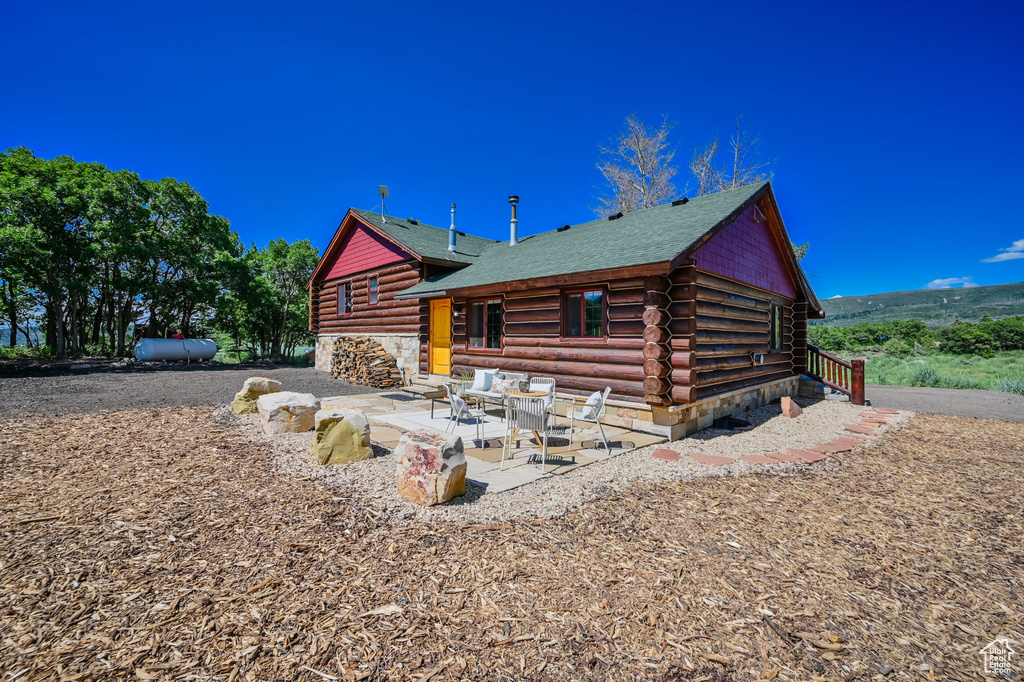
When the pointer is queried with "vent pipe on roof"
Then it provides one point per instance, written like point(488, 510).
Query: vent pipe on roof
point(451, 231)
point(515, 223)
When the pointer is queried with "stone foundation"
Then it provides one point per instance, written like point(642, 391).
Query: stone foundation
point(679, 421)
point(404, 347)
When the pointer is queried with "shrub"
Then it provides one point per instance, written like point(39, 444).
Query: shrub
point(24, 352)
point(922, 375)
point(957, 381)
point(14, 352)
point(963, 338)
point(897, 348)
point(1010, 385)
point(828, 339)
point(1007, 334)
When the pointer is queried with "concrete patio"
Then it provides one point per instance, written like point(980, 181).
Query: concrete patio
point(392, 414)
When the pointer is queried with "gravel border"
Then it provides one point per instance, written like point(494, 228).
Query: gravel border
point(371, 483)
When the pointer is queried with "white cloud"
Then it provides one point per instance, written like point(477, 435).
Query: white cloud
point(950, 282)
point(836, 296)
point(1015, 251)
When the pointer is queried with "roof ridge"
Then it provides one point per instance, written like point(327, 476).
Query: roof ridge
point(419, 223)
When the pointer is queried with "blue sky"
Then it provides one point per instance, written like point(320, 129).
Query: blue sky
point(896, 126)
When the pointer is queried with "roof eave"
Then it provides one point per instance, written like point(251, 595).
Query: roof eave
point(405, 295)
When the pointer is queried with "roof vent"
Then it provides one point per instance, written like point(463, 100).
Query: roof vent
point(514, 224)
point(615, 216)
point(412, 220)
point(452, 231)
point(680, 202)
point(563, 228)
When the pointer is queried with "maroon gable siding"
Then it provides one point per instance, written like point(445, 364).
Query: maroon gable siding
point(747, 251)
point(363, 249)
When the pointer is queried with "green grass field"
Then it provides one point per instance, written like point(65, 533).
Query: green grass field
point(1004, 372)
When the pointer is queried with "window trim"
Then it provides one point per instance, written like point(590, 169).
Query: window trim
point(370, 290)
point(470, 348)
point(343, 299)
point(776, 327)
point(564, 313)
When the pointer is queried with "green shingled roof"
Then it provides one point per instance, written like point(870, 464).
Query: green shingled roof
point(429, 241)
point(653, 235)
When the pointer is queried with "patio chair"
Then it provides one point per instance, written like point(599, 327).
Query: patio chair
point(526, 414)
point(461, 409)
point(545, 384)
point(592, 412)
point(466, 388)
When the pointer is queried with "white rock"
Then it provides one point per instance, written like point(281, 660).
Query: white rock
point(288, 412)
point(262, 385)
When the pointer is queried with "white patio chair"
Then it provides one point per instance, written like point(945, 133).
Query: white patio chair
point(459, 410)
point(526, 414)
point(545, 384)
point(591, 412)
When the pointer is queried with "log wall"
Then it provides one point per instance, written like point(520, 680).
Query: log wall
point(731, 322)
point(388, 316)
point(533, 342)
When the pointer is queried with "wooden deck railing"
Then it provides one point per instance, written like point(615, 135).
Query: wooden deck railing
point(845, 376)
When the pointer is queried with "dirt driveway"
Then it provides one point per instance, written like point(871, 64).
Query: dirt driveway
point(951, 401)
point(133, 388)
point(159, 544)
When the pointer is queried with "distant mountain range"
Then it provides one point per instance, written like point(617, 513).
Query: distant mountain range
point(5, 336)
point(934, 307)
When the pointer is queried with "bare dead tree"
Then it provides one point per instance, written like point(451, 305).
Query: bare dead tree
point(638, 168)
point(744, 167)
point(704, 167)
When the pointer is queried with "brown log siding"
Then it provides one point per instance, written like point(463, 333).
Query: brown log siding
point(388, 316)
point(533, 343)
point(732, 320)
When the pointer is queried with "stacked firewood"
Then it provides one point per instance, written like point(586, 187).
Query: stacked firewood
point(361, 360)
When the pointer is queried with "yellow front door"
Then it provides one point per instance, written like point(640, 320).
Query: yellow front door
point(441, 336)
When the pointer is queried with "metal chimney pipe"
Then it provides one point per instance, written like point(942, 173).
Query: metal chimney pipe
point(515, 223)
point(451, 231)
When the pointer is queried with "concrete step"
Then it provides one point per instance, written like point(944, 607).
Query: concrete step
point(430, 380)
point(426, 386)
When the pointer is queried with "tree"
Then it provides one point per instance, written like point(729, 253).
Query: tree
point(742, 166)
point(638, 168)
point(97, 250)
point(265, 306)
point(964, 338)
point(46, 207)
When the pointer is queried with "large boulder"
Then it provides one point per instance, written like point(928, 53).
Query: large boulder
point(431, 467)
point(342, 436)
point(287, 412)
point(245, 400)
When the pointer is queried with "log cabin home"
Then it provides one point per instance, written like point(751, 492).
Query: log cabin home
point(690, 311)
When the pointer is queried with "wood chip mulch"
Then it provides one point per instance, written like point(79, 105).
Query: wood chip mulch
point(153, 545)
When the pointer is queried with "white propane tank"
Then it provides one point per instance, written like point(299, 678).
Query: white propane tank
point(175, 349)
